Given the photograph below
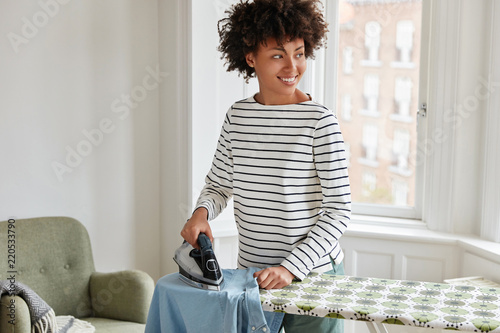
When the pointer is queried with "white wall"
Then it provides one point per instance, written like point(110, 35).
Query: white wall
point(65, 67)
point(214, 90)
point(175, 133)
point(417, 254)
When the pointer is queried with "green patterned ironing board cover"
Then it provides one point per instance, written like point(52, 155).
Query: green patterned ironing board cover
point(421, 304)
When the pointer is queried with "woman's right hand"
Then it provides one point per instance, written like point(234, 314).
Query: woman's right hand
point(196, 224)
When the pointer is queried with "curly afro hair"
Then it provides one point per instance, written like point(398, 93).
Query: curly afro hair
point(250, 23)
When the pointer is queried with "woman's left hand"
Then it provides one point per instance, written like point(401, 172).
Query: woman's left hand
point(274, 277)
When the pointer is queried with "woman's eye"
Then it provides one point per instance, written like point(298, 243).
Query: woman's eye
point(277, 56)
point(300, 55)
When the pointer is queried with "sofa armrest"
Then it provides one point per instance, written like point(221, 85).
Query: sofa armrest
point(14, 315)
point(124, 295)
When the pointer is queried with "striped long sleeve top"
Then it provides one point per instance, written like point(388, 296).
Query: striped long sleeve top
point(285, 167)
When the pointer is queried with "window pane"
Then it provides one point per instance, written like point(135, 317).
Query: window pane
point(378, 70)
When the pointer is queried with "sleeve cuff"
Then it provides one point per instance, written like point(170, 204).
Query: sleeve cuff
point(210, 211)
point(294, 270)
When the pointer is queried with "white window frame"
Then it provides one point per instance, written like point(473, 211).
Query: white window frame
point(328, 58)
point(490, 209)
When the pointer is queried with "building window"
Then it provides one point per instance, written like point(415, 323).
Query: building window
point(369, 183)
point(372, 44)
point(371, 91)
point(370, 145)
point(347, 60)
point(405, 30)
point(346, 107)
point(402, 99)
point(401, 152)
point(399, 193)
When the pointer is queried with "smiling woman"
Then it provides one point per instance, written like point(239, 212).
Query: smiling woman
point(280, 154)
point(279, 69)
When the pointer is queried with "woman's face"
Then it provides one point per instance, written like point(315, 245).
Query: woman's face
point(279, 69)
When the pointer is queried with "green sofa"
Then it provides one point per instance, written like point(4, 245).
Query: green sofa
point(53, 256)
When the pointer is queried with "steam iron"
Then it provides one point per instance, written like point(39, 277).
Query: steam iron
point(199, 268)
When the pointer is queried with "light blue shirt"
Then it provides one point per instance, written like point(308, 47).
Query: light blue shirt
point(177, 307)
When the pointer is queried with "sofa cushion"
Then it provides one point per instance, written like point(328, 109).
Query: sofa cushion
point(103, 325)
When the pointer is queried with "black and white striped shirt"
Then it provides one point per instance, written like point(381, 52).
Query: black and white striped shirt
point(285, 167)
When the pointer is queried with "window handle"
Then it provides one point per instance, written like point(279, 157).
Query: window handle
point(422, 111)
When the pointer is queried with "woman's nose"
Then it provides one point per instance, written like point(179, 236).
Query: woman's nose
point(291, 62)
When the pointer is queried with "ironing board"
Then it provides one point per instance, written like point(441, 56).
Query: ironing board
point(382, 301)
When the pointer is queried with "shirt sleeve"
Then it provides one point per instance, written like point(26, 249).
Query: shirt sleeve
point(331, 167)
point(218, 188)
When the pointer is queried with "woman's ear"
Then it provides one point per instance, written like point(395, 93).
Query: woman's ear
point(249, 57)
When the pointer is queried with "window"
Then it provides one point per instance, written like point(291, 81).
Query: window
point(399, 192)
point(371, 94)
point(369, 182)
point(370, 142)
point(346, 107)
point(401, 152)
point(421, 45)
point(372, 43)
point(402, 98)
point(347, 58)
point(377, 101)
point(404, 43)
point(460, 115)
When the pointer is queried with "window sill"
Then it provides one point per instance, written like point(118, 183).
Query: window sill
point(370, 113)
point(374, 223)
point(401, 171)
point(401, 118)
point(368, 162)
point(403, 65)
point(397, 229)
point(371, 63)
